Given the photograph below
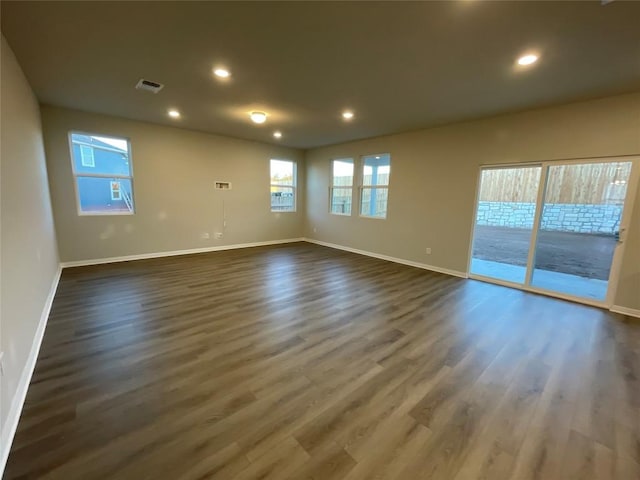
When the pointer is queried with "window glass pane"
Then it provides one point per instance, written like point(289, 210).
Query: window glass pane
point(580, 227)
point(86, 156)
point(283, 199)
point(100, 155)
point(343, 173)
point(376, 169)
point(105, 195)
point(505, 215)
point(373, 202)
point(341, 200)
point(282, 172)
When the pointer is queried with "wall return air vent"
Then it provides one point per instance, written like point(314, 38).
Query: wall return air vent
point(149, 86)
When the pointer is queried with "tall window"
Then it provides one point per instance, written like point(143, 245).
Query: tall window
point(103, 176)
point(341, 186)
point(86, 156)
point(283, 186)
point(374, 192)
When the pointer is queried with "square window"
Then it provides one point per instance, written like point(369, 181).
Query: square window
point(103, 175)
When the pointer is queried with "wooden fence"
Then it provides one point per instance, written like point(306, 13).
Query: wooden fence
point(591, 184)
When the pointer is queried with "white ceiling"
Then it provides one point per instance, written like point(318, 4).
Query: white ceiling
point(399, 66)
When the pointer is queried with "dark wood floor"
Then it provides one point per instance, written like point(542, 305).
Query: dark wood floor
point(303, 362)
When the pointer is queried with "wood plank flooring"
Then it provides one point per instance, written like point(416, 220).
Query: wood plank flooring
point(303, 362)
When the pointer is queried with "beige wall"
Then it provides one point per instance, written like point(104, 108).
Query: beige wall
point(174, 172)
point(628, 293)
point(434, 174)
point(28, 253)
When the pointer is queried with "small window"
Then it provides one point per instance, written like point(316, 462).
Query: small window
point(283, 186)
point(341, 186)
point(115, 191)
point(103, 174)
point(86, 155)
point(375, 185)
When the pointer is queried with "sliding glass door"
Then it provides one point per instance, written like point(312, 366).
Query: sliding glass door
point(579, 227)
point(553, 227)
point(504, 222)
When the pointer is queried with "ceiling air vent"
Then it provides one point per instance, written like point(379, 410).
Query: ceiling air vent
point(149, 86)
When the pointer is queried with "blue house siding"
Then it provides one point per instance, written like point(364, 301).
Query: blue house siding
point(95, 194)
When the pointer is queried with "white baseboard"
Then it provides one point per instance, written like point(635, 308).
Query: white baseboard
point(144, 256)
point(11, 424)
point(632, 312)
point(411, 263)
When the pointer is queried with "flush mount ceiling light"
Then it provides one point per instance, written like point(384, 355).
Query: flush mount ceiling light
point(347, 114)
point(277, 134)
point(258, 117)
point(174, 113)
point(222, 73)
point(528, 59)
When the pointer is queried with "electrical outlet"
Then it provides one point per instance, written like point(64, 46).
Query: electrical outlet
point(428, 251)
point(315, 230)
point(204, 235)
point(219, 235)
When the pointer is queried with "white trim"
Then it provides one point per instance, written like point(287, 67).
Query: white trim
point(543, 182)
point(173, 253)
point(631, 312)
point(623, 227)
point(402, 261)
point(11, 423)
point(563, 161)
point(104, 214)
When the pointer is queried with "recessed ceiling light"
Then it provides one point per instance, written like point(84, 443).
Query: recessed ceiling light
point(222, 73)
point(347, 114)
point(527, 59)
point(277, 134)
point(258, 117)
point(174, 113)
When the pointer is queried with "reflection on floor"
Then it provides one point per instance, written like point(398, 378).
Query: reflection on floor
point(544, 279)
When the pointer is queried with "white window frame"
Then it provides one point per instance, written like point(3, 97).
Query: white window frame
point(363, 187)
point(332, 186)
point(77, 174)
point(86, 156)
point(293, 187)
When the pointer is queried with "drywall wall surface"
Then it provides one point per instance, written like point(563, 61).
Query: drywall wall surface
point(176, 205)
point(28, 252)
point(628, 292)
point(434, 174)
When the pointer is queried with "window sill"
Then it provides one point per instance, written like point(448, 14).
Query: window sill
point(103, 214)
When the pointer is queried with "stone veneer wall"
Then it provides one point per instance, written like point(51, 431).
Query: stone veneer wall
point(603, 219)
